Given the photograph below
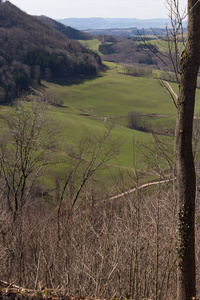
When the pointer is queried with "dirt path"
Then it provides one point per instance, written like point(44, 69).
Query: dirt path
point(170, 89)
point(141, 187)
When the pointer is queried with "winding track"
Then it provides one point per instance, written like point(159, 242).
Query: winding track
point(142, 186)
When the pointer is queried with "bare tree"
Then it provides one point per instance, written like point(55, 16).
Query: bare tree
point(27, 141)
point(87, 157)
point(190, 61)
point(186, 67)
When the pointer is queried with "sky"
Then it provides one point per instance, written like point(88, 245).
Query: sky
point(60, 9)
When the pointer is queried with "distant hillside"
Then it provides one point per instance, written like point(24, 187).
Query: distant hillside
point(106, 23)
point(129, 32)
point(31, 49)
point(70, 32)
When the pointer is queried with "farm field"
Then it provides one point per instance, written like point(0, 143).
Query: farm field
point(113, 95)
point(90, 105)
point(93, 104)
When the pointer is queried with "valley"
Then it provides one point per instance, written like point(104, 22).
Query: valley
point(89, 180)
point(90, 105)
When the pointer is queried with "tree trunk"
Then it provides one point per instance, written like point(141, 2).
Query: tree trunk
point(184, 156)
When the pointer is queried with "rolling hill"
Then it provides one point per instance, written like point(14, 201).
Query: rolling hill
point(105, 23)
point(70, 32)
point(31, 50)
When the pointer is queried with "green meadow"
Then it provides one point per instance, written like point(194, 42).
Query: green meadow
point(91, 105)
point(112, 94)
point(163, 45)
point(92, 44)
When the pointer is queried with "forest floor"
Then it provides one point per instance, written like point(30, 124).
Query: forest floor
point(11, 291)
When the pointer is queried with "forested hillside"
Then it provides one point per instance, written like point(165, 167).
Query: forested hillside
point(70, 32)
point(126, 50)
point(31, 50)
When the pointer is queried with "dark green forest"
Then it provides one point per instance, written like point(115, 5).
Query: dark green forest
point(31, 50)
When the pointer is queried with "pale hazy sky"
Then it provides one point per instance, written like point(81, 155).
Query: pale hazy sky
point(141, 9)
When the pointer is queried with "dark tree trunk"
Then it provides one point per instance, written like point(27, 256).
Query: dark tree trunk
point(184, 156)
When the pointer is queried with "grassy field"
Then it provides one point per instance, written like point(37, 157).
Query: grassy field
point(163, 45)
point(89, 105)
point(92, 44)
point(92, 104)
point(113, 94)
